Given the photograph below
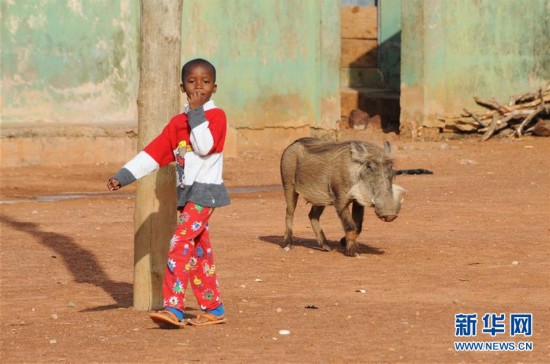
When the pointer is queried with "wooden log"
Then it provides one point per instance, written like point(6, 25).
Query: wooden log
point(522, 98)
point(495, 122)
point(476, 118)
point(502, 107)
point(498, 124)
point(158, 101)
point(525, 106)
point(492, 104)
point(529, 96)
point(525, 122)
point(465, 125)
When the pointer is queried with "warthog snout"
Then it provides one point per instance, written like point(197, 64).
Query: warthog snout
point(388, 218)
point(387, 209)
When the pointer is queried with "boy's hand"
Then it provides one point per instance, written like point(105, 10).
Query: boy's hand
point(113, 184)
point(196, 99)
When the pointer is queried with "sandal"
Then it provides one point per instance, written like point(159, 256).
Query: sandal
point(207, 319)
point(167, 319)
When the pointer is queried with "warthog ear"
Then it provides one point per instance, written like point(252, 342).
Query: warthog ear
point(359, 153)
point(387, 148)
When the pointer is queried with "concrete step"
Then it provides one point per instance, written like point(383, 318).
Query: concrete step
point(383, 93)
point(361, 78)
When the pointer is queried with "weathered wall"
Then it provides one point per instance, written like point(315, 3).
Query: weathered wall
point(277, 62)
point(76, 62)
point(389, 49)
point(454, 50)
point(71, 62)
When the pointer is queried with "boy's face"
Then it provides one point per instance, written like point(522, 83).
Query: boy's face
point(199, 83)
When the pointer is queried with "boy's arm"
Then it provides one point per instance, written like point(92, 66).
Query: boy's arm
point(207, 136)
point(139, 166)
point(156, 154)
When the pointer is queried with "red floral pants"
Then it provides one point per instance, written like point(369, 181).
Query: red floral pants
point(190, 260)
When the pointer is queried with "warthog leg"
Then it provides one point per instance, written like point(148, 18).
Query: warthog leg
point(357, 212)
point(291, 198)
point(349, 228)
point(314, 215)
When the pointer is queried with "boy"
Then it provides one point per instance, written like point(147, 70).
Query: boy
point(194, 140)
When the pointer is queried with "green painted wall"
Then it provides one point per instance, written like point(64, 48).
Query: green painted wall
point(69, 61)
point(454, 50)
point(277, 64)
point(389, 42)
point(77, 61)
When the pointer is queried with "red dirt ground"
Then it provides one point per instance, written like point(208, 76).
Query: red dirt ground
point(471, 238)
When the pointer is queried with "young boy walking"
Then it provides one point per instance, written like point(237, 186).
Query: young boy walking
point(194, 140)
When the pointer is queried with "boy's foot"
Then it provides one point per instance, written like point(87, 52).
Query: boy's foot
point(165, 318)
point(207, 319)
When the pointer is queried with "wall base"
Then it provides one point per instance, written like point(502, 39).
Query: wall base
point(82, 145)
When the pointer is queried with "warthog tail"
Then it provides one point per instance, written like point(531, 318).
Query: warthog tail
point(413, 171)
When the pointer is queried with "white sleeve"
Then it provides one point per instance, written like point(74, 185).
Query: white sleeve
point(202, 139)
point(141, 165)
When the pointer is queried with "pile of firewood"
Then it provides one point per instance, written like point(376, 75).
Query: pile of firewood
point(516, 118)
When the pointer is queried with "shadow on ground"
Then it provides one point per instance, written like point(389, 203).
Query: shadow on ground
point(82, 263)
point(312, 244)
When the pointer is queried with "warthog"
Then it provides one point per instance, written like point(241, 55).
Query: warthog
point(340, 174)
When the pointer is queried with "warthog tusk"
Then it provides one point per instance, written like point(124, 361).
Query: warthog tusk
point(374, 203)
